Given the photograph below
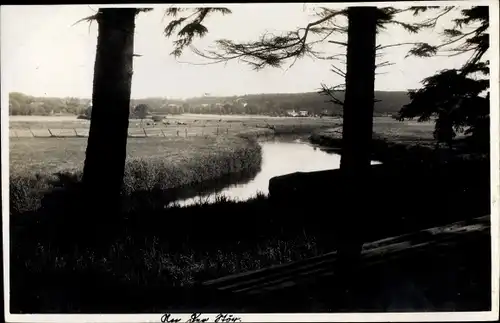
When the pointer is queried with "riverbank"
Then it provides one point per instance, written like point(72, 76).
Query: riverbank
point(391, 146)
point(176, 166)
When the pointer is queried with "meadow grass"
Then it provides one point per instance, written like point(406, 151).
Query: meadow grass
point(37, 165)
point(154, 252)
point(158, 258)
point(404, 142)
point(176, 122)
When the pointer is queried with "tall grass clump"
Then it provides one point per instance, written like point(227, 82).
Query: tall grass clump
point(154, 169)
point(156, 261)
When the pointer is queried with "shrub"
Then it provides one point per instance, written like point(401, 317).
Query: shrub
point(157, 118)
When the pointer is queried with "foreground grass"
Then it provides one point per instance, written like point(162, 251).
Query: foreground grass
point(154, 252)
point(162, 164)
point(158, 258)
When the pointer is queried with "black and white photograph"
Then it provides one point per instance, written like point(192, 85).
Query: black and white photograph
point(251, 162)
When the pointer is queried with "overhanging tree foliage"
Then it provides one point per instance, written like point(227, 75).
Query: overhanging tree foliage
point(456, 97)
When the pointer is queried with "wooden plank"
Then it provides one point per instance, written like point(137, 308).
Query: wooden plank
point(287, 275)
point(64, 132)
point(40, 133)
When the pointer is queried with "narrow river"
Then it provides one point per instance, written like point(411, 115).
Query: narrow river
point(279, 157)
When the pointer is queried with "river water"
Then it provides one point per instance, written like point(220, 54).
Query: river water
point(279, 157)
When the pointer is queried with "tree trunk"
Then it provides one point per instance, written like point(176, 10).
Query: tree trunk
point(357, 135)
point(107, 142)
point(360, 88)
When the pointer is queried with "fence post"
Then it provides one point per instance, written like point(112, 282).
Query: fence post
point(32, 133)
point(177, 133)
point(162, 132)
point(186, 132)
point(217, 130)
point(76, 133)
point(51, 134)
point(145, 134)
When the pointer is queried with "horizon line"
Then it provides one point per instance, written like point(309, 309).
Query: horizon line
point(197, 97)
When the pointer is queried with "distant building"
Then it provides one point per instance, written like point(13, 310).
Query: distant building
point(291, 113)
point(326, 112)
point(241, 101)
point(170, 106)
point(303, 113)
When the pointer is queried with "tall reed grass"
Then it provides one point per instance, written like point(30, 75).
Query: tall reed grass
point(153, 165)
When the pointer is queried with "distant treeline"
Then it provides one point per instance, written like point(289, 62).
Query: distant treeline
point(22, 104)
point(388, 103)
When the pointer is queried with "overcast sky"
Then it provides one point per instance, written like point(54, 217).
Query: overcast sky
point(44, 55)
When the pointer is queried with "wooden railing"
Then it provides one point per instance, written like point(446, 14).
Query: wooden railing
point(133, 132)
point(288, 275)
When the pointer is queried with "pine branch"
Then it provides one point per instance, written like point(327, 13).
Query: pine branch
point(88, 19)
point(380, 47)
point(330, 92)
point(338, 43)
point(432, 22)
point(383, 64)
point(273, 50)
point(338, 71)
point(192, 29)
point(97, 17)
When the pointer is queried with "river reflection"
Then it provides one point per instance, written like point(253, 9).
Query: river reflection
point(279, 157)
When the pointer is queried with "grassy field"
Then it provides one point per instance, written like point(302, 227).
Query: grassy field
point(407, 141)
point(182, 125)
point(39, 164)
point(196, 125)
point(188, 149)
point(159, 256)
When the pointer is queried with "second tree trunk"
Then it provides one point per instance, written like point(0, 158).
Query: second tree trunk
point(107, 142)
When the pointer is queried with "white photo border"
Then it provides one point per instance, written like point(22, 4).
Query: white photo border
point(287, 317)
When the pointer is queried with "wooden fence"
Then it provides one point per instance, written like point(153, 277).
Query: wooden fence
point(133, 132)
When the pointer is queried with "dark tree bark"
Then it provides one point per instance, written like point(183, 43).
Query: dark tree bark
point(107, 142)
point(360, 87)
point(357, 136)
